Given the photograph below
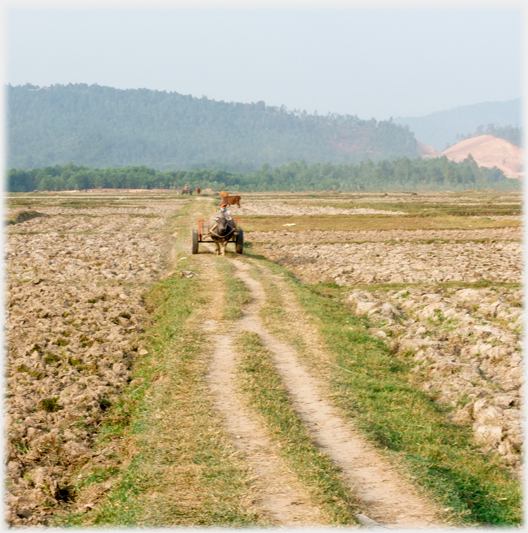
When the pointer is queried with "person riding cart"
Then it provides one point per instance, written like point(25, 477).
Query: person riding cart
point(223, 211)
point(221, 228)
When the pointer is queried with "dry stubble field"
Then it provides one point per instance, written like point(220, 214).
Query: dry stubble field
point(75, 278)
point(438, 276)
point(450, 296)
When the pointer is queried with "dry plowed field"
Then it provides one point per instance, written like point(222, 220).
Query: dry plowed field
point(146, 386)
point(75, 279)
point(465, 338)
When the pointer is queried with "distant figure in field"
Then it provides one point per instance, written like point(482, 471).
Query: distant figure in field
point(198, 191)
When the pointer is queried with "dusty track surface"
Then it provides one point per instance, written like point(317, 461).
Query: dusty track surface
point(280, 495)
point(386, 496)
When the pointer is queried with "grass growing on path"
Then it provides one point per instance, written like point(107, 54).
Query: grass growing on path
point(174, 464)
point(375, 389)
point(236, 293)
point(268, 396)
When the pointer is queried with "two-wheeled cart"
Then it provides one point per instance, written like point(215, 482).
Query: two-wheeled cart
point(202, 235)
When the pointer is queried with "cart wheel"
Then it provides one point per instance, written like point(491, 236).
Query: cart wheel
point(239, 246)
point(194, 241)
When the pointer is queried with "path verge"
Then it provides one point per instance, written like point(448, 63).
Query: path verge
point(174, 464)
point(384, 495)
point(277, 493)
point(374, 389)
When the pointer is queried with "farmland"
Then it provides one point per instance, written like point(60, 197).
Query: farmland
point(128, 383)
point(450, 297)
point(76, 275)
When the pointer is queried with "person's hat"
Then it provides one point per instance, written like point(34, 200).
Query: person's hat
point(222, 204)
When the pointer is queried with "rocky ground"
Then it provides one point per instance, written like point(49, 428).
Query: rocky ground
point(466, 348)
point(74, 280)
point(400, 262)
point(456, 313)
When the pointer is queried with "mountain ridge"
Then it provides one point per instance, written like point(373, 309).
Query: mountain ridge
point(441, 128)
point(101, 126)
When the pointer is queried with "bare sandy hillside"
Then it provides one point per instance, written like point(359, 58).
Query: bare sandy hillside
point(489, 151)
point(426, 151)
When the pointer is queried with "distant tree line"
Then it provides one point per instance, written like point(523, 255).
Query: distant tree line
point(106, 127)
point(512, 134)
point(399, 174)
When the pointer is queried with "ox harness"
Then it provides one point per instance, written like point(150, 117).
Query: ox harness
point(215, 225)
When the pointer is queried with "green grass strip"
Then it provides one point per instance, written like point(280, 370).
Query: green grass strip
point(376, 390)
point(268, 395)
point(182, 470)
point(236, 292)
point(371, 222)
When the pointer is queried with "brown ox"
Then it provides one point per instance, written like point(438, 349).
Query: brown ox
point(223, 194)
point(198, 191)
point(232, 200)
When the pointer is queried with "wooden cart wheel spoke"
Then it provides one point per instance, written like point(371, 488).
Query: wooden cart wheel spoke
point(239, 246)
point(194, 241)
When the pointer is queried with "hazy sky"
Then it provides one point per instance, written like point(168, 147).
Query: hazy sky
point(370, 62)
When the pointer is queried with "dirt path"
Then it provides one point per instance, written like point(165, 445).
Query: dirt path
point(279, 494)
point(388, 497)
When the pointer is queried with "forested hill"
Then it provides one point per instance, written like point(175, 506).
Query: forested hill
point(399, 174)
point(512, 134)
point(105, 127)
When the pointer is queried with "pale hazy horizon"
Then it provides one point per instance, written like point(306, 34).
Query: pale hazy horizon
point(369, 62)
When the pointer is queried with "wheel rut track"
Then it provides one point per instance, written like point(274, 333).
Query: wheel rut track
point(387, 497)
point(278, 493)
